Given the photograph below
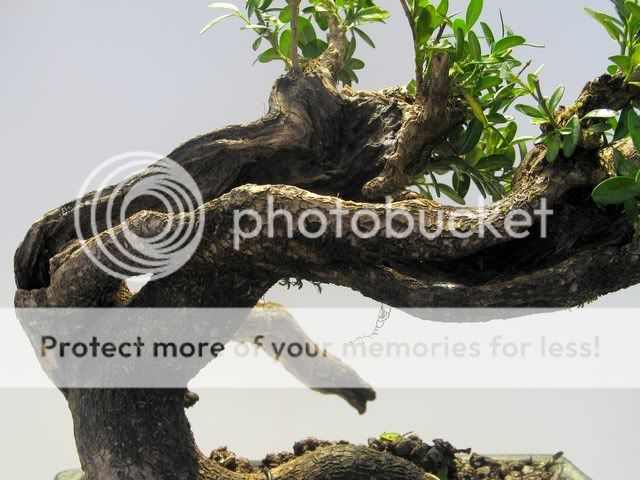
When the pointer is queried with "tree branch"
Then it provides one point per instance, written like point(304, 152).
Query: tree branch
point(606, 91)
point(295, 12)
point(423, 126)
point(329, 64)
point(317, 369)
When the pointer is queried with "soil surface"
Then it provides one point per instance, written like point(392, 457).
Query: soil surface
point(439, 458)
point(483, 468)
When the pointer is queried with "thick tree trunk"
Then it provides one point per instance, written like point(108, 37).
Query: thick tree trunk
point(133, 434)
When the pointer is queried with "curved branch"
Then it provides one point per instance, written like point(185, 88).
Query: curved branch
point(606, 91)
point(299, 142)
point(77, 281)
point(337, 462)
point(424, 125)
point(272, 327)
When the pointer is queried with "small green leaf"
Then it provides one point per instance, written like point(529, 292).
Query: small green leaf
point(452, 194)
point(616, 191)
point(600, 113)
point(225, 5)
point(553, 144)
point(364, 37)
point(461, 184)
point(555, 99)
point(633, 8)
point(315, 48)
point(443, 8)
point(530, 111)
point(443, 473)
point(488, 34)
point(286, 15)
point(623, 166)
point(607, 22)
point(635, 58)
point(436, 185)
point(306, 32)
point(622, 61)
point(474, 45)
point(355, 64)
point(472, 136)
point(473, 13)
point(411, 87)
point(460, 42)
point(570, 142)
point(612, 69)
point(494, 163)
point(476, 108)
point(285, 43)
point(269, 55)
point(214, 21)
point(634, 128)
point(506, 43)
point(599, 128)
point(622, 129)
point(425, 25)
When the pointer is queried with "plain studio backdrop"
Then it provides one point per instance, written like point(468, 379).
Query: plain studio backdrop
point(82, 81)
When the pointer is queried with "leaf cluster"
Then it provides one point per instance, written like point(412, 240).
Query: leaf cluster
point(623, 189)
point(485, 74)
point(272, 24)
point(625, 29)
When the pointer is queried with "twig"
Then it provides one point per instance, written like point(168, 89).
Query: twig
point(295, 13)
point(419, 61)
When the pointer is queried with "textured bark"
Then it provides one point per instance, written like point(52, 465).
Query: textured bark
point(315, 145)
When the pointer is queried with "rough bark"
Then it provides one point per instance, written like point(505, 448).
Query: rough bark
point(315, 145)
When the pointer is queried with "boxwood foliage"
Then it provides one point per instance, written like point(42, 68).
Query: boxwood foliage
point(486, 74)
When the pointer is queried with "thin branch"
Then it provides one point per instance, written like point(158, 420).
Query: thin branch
point(295, 12)
point(419, 60)
point(330, 63)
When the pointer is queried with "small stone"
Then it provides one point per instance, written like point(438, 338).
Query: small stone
point(435, 457)
point(420, 451)
point(483, 471)
point(404, 447)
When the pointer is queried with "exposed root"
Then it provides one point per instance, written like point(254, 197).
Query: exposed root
point(408, 454)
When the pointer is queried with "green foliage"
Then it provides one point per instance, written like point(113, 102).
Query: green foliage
point(564, 138)
point(485, 77)
point(623, 189)
point(271, 22)
point(625, 29)
point(484, 72)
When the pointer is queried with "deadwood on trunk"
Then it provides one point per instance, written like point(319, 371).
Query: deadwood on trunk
point(317, 146)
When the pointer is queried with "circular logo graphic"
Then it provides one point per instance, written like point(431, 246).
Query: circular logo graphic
point(144, 179)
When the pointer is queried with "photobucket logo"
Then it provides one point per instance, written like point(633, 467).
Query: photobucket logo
point(389, 222)
point(164, 184)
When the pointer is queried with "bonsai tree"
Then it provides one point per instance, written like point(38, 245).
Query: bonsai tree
point(324, 142)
